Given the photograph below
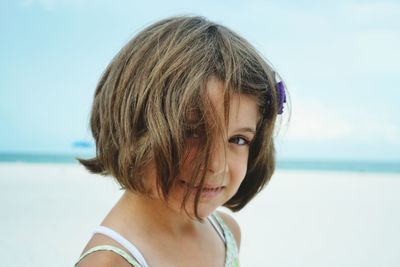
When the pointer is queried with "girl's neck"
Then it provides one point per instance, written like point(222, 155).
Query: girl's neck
point(151, 215)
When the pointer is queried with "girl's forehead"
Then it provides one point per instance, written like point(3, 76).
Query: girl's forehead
point(243, 109)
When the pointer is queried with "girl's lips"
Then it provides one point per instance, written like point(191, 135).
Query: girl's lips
point(205, 186)
point(208, 191)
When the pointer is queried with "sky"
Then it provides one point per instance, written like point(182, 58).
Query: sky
point(340, 61)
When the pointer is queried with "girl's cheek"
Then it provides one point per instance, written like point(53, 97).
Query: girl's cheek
point(191, 153)
point(188, 160)
point(239, 165)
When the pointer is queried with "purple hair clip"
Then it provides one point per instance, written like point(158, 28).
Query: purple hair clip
point(282, 96)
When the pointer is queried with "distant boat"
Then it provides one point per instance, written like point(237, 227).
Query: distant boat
point(82, 144)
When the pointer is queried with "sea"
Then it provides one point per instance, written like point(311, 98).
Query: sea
point(284, 164)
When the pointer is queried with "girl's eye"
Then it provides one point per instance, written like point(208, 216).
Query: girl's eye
point(238, 140)
point(191, 134)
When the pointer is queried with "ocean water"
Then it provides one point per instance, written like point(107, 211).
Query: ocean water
point(284, 164)
point(38, 158)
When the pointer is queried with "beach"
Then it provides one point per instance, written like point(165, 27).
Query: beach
point(302, 218)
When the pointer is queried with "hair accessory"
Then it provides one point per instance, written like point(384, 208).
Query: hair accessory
point(282, 96)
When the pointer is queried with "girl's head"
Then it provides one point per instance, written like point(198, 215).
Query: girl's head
point(171, 102)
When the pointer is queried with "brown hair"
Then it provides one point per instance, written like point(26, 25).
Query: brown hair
point(141, 102)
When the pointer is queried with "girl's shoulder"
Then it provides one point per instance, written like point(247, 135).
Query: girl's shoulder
point(232, 225)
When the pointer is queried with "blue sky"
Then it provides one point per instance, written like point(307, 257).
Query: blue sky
point(340, 60)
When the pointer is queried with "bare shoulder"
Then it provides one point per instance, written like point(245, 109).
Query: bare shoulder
point(233, 226)
point(103, 259)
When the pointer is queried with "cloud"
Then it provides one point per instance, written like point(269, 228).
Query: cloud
point(377, 129)
point(392, 134)
point(312, 119)
point(382, 10)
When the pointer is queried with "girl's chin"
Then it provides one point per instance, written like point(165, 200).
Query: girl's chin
point(206, 213)
point(210, 199)
point(204, 210)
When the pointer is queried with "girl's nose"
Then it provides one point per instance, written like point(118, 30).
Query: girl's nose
point(218, 161)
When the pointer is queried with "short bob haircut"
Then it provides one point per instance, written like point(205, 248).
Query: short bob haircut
point(142, 101)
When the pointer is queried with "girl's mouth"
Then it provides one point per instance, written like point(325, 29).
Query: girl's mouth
point(208, 191)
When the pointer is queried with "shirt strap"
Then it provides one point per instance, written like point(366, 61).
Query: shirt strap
point(116, 250)
point(232, 252)
point(122, 241)
point(218, 228)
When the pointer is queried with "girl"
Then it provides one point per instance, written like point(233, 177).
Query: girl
point(183, 119)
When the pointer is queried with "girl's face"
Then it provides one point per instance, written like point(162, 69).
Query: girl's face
point(228, 167)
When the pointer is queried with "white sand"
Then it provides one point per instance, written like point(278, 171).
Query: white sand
point(301, 219)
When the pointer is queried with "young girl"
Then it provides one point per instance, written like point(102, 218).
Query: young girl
point(183, 119)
